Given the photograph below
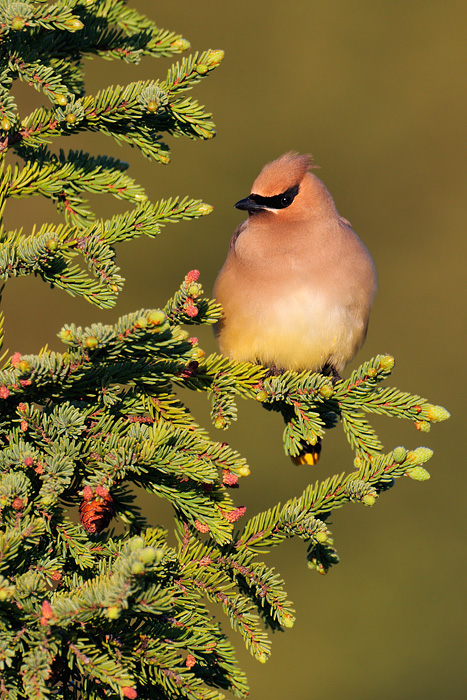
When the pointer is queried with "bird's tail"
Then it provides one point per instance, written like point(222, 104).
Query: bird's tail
point(309, 454)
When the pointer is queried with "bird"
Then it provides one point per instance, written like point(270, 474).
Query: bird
point(298, 284)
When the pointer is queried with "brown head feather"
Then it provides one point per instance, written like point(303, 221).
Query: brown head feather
point(285, 172)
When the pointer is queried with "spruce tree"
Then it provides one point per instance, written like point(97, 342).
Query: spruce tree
point(86, 612)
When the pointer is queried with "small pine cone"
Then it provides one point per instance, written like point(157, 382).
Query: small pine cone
point(97, 511)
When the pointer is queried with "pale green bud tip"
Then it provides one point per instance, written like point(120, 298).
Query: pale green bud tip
point(61, 100)
point(137, 567)
point(220, 423)
point(6, 593)
point(215, 56)
point(326, 390)
point(70, 118)
point(65, 335)
point(5, 124)
point(386, 362)
point(321, 536)
point(74, 25)
point(17, 23)
point(419, 456)
point(205, 209)
point(399, 454)
point(262, 658)
point(423, 426)
point(141, 322)
point(136, 543)
point(198, 354)
point(180, 44)
point(368, 499)
point(47, 500)
point(157, 318)
point(262, 395)
point(418, 473)
point(288, 621)
point(243, 471)
point(435, 414)
point(91, 342)
point(202, 69)
point(113, 612)
point(52, 244)
point(148, 555)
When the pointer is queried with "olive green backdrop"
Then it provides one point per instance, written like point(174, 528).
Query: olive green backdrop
point(375, 90)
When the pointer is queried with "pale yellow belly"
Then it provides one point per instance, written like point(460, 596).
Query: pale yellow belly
point(293, 333)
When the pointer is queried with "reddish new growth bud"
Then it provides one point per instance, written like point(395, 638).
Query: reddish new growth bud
point(24, 425)
point(193, 340)
point(205, 561)
point(55, 576)
point(22, 406)
point(4, 392)
point(39, 469)
point(229, 479)
point(236, 514)
point(88, 493)
point(201, 527)
point(28, 461)
point(129, 692)
point(190, 309)
point(190, 661)
point(192, 276)
point(102, 491)
point(47, 613)
point(15, 359)
point(18, 503)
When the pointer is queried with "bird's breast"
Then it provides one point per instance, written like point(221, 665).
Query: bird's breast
point(300, 329)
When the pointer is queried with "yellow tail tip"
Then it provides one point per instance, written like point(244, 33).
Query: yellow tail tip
point(310, 455)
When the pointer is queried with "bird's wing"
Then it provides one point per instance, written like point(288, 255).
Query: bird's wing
point(237, 232)
point(346, 222)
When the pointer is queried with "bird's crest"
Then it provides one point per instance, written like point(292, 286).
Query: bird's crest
point(281, 174)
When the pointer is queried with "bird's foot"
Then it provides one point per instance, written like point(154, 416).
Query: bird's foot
point(330, 371)
point(274, 371)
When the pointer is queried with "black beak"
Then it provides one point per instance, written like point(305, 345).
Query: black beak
point(248, 204)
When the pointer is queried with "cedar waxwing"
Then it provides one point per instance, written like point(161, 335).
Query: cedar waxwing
point(298, 284)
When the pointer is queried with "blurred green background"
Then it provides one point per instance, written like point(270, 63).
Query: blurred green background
point(374, 90)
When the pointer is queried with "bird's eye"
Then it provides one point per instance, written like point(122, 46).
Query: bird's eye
point(286, 200)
